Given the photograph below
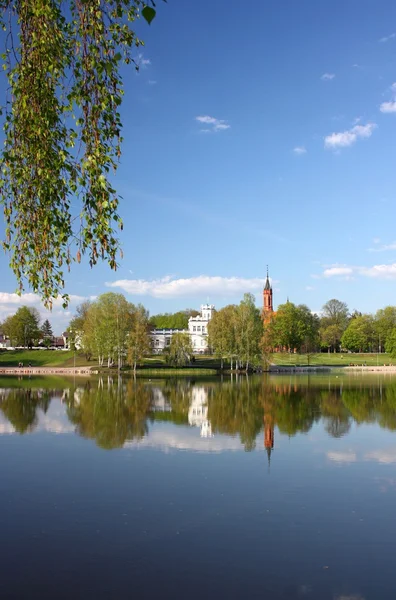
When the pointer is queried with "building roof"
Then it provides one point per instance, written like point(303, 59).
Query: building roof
point(267, 283)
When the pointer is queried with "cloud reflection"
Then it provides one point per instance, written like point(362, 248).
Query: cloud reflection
point(342, 457)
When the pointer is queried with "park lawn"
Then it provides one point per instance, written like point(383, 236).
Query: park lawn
point(330, 360)
point(43, 358)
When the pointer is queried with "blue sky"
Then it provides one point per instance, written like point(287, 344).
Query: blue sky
point(255, 133)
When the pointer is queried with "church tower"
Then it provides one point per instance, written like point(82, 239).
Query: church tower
point(267, 297)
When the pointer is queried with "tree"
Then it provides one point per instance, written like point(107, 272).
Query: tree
point(63, 133)
point(248, 330)
point(76, 327)
point(221, 330)
point(359, 336)
point(47, 333)
point(23, 327)
point(333, 323)
point(390, 345)
point(178, 320)
point(138, 338)
point(106, 328)
point(180, 350)
point(292, 327)
point(385, 321)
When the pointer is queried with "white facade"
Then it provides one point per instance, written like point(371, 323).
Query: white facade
point(197, 329)
point(198, 411)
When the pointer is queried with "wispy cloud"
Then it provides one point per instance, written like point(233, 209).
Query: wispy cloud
point(347, 138)
point(215, 124)
point(327, 76)
point(342, 457)
point(152, 82)
point(390, 106)
point(142, 62)
point(337, 271)
point(10, 302)
point(384, 271)
point(385, 456)
point(383, 247)
point(309, 288)
point(299, 150)
point(387, 38)
point(203, 285)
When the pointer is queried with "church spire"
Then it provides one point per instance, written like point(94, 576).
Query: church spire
point(267, 282)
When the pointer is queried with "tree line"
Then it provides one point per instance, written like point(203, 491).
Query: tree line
point(23, 329)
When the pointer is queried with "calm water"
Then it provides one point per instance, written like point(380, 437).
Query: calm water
point(269, 488)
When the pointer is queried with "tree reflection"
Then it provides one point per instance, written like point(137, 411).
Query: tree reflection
point(115, 411)
point(111, 413)
point(20, 406)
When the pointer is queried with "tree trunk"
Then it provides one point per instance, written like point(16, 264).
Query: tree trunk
point(221, 363)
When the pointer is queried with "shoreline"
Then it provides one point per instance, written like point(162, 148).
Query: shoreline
point(47, 371)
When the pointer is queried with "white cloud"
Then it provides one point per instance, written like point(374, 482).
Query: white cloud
point(151, 82)
point(387, 271)
point(337, 271)
point(383, 247)
point(216, 124)
point(299, 150)
point(386, 457)
point(388, 107)
point(142, 62)
point(203, 285)
point(349, 137)
point(342, 457)
point(10, 302)
point(327, 76)
point(309, 288)
point(386, 38)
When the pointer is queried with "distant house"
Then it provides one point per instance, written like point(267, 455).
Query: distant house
point(4, 341)
point(197, 329)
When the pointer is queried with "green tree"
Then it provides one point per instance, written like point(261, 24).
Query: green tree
point(23, 327)
point(248, 331)
point(180, 350)
point(292, 327)
point(76, 327)
point(333, 323)
point(359, 336)
point(390, 345)
point(385, 321)
point(138, 338)
point(47, 333)
point(178, 320)
point(221, 330)
point(62, 132)
point(106, 328)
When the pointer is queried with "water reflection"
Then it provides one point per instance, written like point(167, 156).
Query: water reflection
point(115, 411)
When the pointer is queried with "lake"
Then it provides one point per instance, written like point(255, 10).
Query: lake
point(278, 487)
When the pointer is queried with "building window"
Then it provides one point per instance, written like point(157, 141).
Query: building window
point(203, 329)
point(199, 328)
point(194, 328)
point(168, 341)
point(157, 342)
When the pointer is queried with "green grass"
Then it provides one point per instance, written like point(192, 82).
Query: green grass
point(330, 360)
point(43, 358)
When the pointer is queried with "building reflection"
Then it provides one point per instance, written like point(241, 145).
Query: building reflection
point(198, 411)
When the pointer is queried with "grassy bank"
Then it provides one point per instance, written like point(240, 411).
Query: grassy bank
point(43, 358)
point(207, 364)
point(331, 360)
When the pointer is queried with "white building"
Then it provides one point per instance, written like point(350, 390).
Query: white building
point(198, 411)
point(197, 329)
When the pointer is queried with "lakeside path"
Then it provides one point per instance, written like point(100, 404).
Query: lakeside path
point(47, 371)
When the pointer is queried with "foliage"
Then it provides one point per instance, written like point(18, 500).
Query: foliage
point(63, 133)
point(180, 350)
point(385, 321)
point(333, 323)
point(248, 330)
point(106, 328)
point(292, 328)
point(47, 333)
point(221, 330)
point(138, 338)
point(178, 320)
point(23, 327)
point(359, 336)
point(390, 345)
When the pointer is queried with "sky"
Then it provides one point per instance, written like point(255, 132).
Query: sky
point(255, 134)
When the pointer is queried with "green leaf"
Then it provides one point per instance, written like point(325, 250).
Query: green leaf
point(148, 13)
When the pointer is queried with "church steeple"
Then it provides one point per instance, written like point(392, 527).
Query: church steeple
point(267, 296)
